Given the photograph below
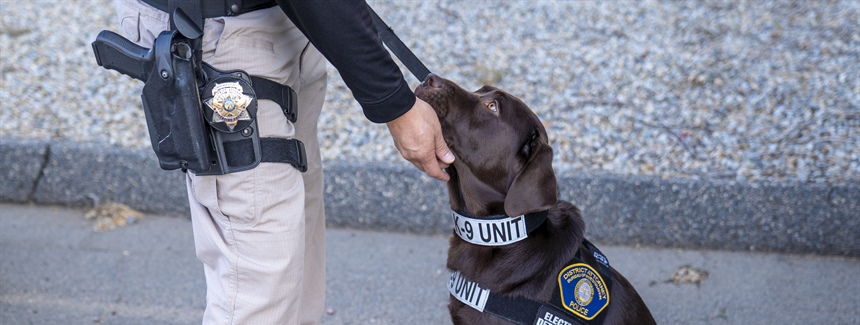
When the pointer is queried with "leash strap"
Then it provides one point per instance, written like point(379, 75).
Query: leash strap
point(399, 48)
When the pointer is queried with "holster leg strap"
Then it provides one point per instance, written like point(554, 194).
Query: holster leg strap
point(277, 150)
point(284, 96)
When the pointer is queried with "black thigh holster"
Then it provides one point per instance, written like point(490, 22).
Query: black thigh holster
point(171, 102)
point(203, 119)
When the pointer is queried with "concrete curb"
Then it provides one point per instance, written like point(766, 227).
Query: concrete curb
point(622, 210)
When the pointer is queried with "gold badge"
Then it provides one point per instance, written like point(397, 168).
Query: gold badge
point(229, 104)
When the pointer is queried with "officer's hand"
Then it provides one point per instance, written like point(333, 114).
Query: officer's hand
point(418, 137)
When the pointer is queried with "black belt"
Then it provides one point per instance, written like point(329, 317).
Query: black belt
point(220, 8)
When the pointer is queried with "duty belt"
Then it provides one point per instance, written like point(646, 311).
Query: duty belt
point(219, 8)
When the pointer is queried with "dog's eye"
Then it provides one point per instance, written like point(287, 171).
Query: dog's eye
point(493, 107)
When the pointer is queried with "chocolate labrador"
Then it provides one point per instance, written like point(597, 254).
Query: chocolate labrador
point(518, 254)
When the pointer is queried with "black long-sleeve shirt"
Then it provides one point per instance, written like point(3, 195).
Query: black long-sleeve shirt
point(343, 31)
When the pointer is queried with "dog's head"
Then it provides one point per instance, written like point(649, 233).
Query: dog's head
point(504, 160)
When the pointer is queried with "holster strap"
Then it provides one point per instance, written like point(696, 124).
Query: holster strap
point(220, 8)
point(276, 150)
point(283, 95)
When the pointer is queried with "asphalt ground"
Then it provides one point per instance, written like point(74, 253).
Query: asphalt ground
point(56, 269)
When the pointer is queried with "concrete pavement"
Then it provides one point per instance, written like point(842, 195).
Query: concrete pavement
point(54, 269)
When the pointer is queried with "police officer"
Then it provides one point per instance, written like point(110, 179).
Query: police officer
point(260, 233)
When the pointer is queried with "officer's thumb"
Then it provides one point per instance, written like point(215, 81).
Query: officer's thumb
point(443, 152)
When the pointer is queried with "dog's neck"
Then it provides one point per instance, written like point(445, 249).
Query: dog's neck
point(474, 197)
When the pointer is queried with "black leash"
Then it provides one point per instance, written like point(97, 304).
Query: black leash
point(398, 48)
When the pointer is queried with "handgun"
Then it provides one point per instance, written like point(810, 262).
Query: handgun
point(118, 53)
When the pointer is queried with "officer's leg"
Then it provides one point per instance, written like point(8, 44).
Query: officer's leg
point(249, 234)
point(249, 227)
point(269, 247)
point(311, 95)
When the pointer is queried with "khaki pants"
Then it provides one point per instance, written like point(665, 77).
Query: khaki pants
point(259, 233)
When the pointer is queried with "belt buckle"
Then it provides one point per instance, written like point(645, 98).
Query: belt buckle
point(302, 164)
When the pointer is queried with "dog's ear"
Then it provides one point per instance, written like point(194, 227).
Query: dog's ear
point(535, 188)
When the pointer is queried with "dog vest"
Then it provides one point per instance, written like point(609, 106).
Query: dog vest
point(582, 293)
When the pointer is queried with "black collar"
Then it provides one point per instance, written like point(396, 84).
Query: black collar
point(497, 230)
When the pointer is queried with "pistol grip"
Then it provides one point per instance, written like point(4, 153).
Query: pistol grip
point(115, 52)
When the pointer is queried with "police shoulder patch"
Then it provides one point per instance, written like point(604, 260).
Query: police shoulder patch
point(583, 291)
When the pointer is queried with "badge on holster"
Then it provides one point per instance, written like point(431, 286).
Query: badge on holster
point(231, 101)
point(230, 109)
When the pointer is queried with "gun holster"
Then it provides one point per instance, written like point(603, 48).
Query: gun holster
point(171, 102)
point(200, 118)
point(204, 120)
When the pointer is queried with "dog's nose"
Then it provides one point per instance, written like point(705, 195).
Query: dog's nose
point(433, 81)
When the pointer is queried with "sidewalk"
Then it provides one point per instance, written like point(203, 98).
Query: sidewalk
point(54, 269)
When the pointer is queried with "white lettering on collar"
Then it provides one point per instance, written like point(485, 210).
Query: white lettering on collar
point(468, 292)
point(490, 232)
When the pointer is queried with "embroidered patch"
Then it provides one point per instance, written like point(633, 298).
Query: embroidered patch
point(490, 232)
point(468, 292)
point(583, 291)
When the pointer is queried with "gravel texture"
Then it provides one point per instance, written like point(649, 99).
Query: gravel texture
point(748, 91)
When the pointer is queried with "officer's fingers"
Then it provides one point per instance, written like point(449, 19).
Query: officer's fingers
point(433, 161)
point(417, 135)
point(425, 161)
point(432, 167)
